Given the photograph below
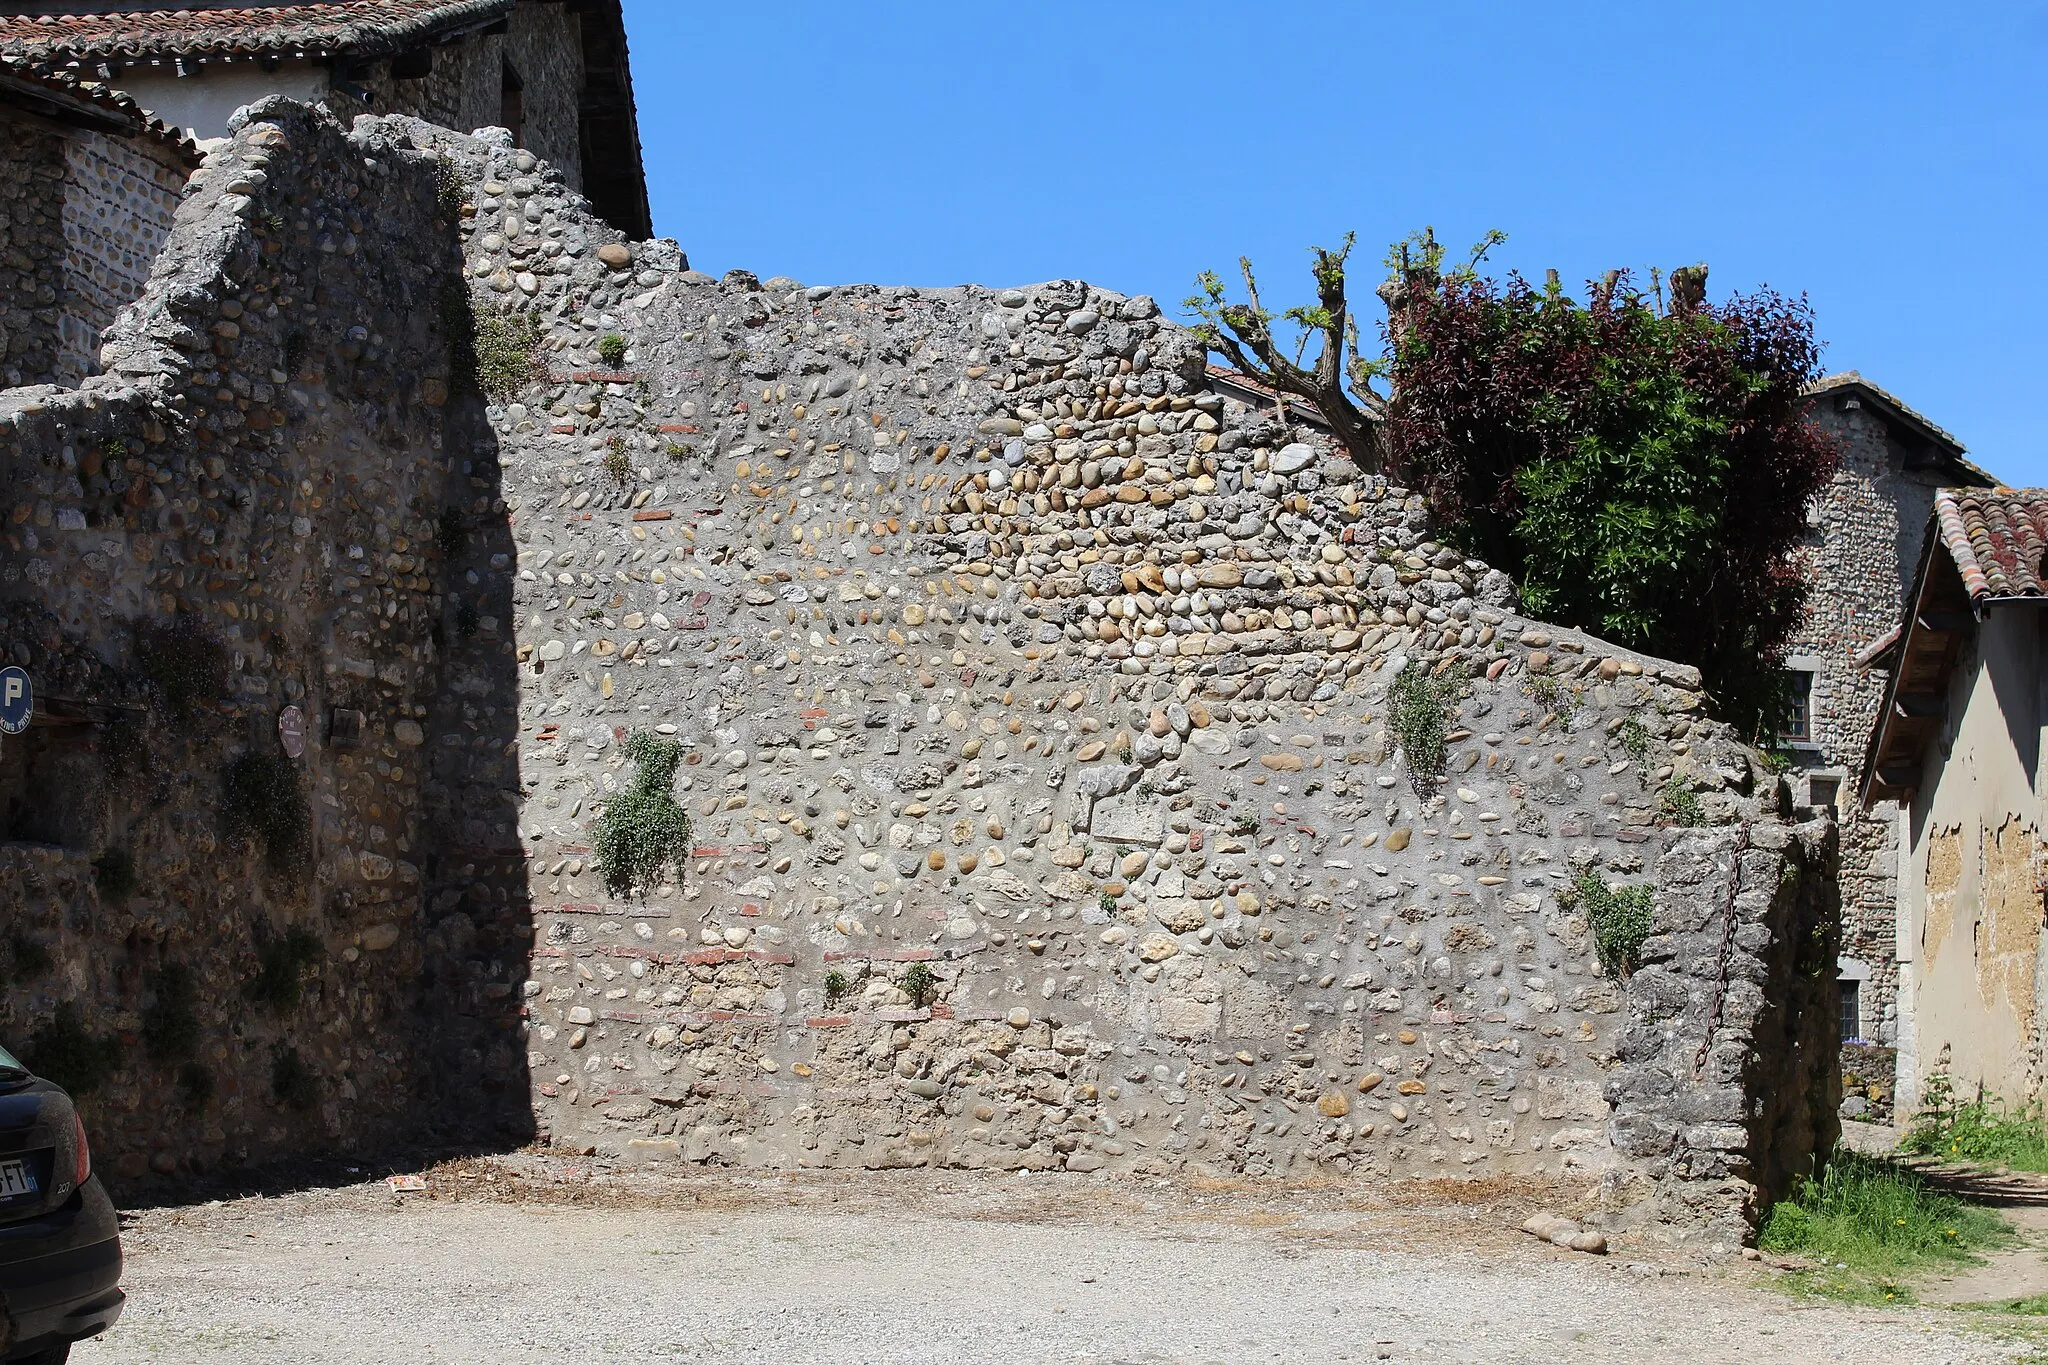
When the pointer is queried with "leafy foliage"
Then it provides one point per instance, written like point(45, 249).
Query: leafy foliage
point(1873, 1223)
point(183, 661)
point(113, 872)
point(170, 1026)
point(262, 799)
point(292, 1082)
point(505, 342)
point(641, 829)
point(1620, 917)
point(281, 967)
point(920, 985)
point(612, 350)
point(1984, 1131)
point(1419, 708)
point(1678, 803)
point(65, 1051)
point(1642, 470)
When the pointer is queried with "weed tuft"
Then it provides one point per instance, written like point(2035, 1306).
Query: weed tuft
point(1873, 1224)
point(1620, 917)
point(641, 829)
point(65, 1051)
point(281, 967)
point(261, 799)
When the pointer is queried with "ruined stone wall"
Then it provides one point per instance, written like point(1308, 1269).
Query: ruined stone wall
point(543, 43)
point(31, 247)
point(119, 197)
point(248, 512)
point(81, 217)
point(1034, 701)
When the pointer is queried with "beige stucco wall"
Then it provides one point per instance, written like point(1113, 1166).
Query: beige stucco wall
point(202, 103)
point(1970, 943)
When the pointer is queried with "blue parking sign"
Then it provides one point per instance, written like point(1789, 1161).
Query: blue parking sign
point(17, 700)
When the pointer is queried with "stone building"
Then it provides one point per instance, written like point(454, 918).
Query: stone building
point(554, 72)
point(1965, 707)
point(1867, 539)
point(88, 184)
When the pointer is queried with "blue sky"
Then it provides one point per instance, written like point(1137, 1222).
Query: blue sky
point(1885, 159)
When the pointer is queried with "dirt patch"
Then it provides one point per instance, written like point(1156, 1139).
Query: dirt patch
point(524, 1259)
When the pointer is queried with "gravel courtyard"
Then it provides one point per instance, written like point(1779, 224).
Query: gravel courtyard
point(514, 1261)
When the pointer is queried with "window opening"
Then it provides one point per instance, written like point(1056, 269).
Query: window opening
point(1799, 719)
point(1850, 994)
point(512, 104)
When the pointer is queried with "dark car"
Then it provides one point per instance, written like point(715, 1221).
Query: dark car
point(60, 1242)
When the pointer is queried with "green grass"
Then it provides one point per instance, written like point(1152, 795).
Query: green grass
point(1984, 1132)
point(1873, 1227)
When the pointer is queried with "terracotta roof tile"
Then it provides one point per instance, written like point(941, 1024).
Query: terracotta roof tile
point(1997, 537)
point(366, 27)
point(65, 90)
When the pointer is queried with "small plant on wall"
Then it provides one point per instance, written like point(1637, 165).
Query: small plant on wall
point(1419, 708)
point(1619, 916)
point(642, 830)
point(612, 350)
point(920, 985)
point(261, 799)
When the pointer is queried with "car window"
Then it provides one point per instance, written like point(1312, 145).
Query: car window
point(7, 1060)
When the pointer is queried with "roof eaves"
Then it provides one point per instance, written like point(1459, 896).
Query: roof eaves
point(1900, 411)
point(362, 28)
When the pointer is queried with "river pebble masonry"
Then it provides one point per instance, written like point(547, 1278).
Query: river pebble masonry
point(1034, 708)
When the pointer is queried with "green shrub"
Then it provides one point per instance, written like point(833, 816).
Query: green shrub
point(113, 872)
point(612, 350)
point(65, 1051)
point(451, 532)
point(1419, 712)
point(1620, 918)
point(1872, 1223)
point(920, 985)
point(616, 462)
point(292, 1082)
point(170, 1026)
point(836, 984)
point(195, 1083)
point(641, 829)
point(281, 967)
point(26, 959)
point(1983, 1131)
point(184, 662)
point(1635, 740)
point(505, 345)
point(1678, 804)
point(262, 799)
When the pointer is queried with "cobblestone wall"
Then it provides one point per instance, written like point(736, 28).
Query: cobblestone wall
point(1034, 703)
point(31, 248)
point(82, 215)
point(1870, 526)
point(242, 516)
point(119, 196)
point(542, 43)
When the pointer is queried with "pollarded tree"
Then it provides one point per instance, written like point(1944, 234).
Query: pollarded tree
point(1641, 465)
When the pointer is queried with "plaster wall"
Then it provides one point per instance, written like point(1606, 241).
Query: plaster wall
point(202, 104)
point(1969, 908)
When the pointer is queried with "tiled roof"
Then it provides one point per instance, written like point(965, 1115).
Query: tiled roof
point(62, 94)
point(1238, 379)
point(1951, 447)
point(363, 27)
point(1997, 537)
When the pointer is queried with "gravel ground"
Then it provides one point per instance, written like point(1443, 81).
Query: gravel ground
point(506, 1264)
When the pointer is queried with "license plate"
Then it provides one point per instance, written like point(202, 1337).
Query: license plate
point(16, 1180)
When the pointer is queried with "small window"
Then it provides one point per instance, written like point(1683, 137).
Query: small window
point(1821, 792)
point(512, 104)
point(1850, 994)
point(1799, 715)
